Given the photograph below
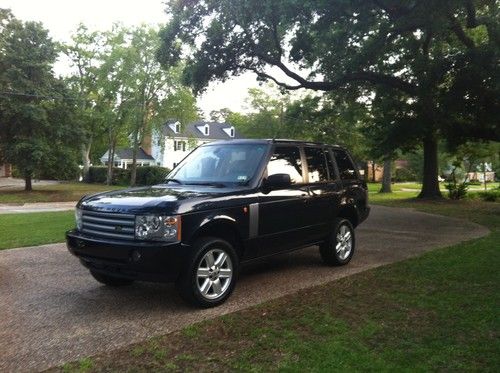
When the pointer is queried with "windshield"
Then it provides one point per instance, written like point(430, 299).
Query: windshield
point(223, 163)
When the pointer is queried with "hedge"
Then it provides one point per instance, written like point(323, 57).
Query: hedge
point(147, 175)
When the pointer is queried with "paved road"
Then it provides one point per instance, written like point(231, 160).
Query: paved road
point(10, 208)
point(52, 311)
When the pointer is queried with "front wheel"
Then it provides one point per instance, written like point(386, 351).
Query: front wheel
point(338, 249)
point(110, 280)
point(210, 275)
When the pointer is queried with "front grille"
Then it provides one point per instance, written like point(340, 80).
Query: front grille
point(108, 225)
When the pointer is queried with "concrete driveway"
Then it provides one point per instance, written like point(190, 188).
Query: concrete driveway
point(52, 311)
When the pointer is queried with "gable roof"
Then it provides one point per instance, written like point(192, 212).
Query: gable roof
point(128, 153)
point(215, 131)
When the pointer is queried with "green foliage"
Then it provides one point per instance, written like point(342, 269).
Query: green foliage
point(151, 175)
point(147, 175)
point(489, 195)
point(433, 63)
point(37, 135)
point(457, 190)
point(404, 175)
point(99, 174)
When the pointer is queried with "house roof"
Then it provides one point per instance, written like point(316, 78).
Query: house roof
point(127, 153)
point(215, 132)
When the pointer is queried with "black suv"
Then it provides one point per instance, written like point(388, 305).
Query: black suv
point(225, 204)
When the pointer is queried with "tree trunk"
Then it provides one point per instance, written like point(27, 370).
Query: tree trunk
point(373, 171)
point(430, 183)
point(86, 161)
point(28, 187)
point(387, 176)
point(133, 171)
point(111, 159)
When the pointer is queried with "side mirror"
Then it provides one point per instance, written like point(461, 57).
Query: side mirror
point(278, 181)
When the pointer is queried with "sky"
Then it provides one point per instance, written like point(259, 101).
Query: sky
point(61, 18)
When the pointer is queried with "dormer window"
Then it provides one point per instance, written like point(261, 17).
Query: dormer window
point(206, 130)
point(177, 127)
point(231, 132)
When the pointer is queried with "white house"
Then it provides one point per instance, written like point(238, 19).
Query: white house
point(174, 143)
point(168, 147)
point(123, 158)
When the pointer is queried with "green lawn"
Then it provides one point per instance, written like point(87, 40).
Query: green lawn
point(439, 311)
point(54, 193)
point(17, 230)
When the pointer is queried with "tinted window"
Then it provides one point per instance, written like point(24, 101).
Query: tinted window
point(345, 165)
point(316, 165)
point(286, 160)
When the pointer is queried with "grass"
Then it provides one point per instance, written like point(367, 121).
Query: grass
point(63, 192)
point(30, 229)
point(439, 311)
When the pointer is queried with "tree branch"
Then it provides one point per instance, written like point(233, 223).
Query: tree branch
point(459, 32)
point(471, 14)
point(361, 76)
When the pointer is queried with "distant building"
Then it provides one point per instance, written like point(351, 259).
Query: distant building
point(170, 145)
point(123, 158)
point(5, 170)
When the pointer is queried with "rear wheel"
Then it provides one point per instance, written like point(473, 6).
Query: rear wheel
point(210, 275)
point(111, 280)
point(338, 249)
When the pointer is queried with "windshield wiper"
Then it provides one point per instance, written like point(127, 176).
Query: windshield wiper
point(174, 180)
point(208, 183)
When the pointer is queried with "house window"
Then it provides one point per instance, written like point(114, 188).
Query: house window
point(231, 132)
point(179, 145)
point(206, 130)
point(177, 127)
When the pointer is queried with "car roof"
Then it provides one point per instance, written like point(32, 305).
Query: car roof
point(272, 141)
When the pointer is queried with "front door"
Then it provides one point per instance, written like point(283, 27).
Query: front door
point(281, 212)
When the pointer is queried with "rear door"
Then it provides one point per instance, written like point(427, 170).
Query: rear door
point(354, 186)
point(323, 192)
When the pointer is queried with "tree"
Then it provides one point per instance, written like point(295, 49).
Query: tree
point(85, 54)
point(31, 99)
point(441, 55)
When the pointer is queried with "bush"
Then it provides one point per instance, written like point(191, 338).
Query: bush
point(150, 175)
point(403, 175)
point(457, 190)
point(490, 195)
point(99, 174)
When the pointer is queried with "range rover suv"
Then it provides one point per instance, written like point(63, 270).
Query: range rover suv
point(226, 204)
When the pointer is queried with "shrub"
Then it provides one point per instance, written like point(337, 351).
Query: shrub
point(403, 175)
point(457, 190)
point(490, 195)
point(150, 175)
point(99, 174)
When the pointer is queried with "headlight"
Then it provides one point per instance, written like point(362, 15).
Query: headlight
point(158, 228)
point(78, 218)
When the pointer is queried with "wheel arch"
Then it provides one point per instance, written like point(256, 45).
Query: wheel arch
point(350, 213)
point(221, 227)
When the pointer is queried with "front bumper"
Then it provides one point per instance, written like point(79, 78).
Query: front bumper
point(146, 261)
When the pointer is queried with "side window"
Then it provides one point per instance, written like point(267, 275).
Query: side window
point(286, 160)
point(345, 165)
point(316, 165)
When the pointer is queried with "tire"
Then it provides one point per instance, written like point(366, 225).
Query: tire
point(205, 282)
point(111, 280)
point(338, 249)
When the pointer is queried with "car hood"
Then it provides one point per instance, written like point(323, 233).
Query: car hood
point(156, 199)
